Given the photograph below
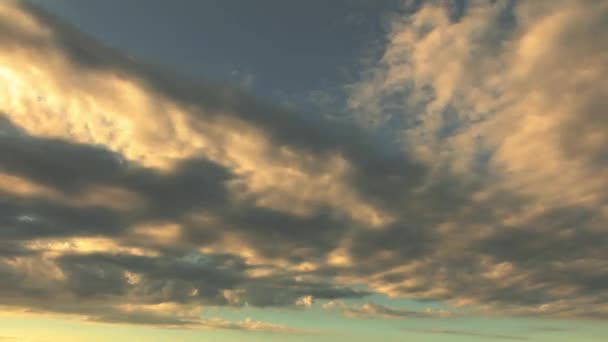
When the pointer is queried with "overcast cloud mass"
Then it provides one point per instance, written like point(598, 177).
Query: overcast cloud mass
point(470, 169)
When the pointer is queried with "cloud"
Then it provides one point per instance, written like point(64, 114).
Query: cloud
point(471, 334)
point(167, 321)
point(127, 193)
point(374, 310)
point(155, 120)
point(492, 95)
point(305, 301)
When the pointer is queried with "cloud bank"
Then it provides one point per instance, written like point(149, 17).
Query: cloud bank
point(127, 193)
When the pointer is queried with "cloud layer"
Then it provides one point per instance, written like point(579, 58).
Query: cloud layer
point(127, 193)
point(509, 99)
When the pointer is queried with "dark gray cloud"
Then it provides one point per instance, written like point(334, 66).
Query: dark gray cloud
point(70, 167)
point(31, 218)
point(191, 277)
point(173, 277)
point(93, 284)
point(194, 185)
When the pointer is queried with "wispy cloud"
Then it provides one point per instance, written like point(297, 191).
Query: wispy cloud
point(492, 94)
point(374, 310)
point(475, 334)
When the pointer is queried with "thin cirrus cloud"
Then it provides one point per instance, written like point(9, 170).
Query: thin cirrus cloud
point(128, 193)
point(472, 334)
point(374, 310)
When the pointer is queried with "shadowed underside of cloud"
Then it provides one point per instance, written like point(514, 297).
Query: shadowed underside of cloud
point(127, 193)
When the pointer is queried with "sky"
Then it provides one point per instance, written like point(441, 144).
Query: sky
point(303, 171)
